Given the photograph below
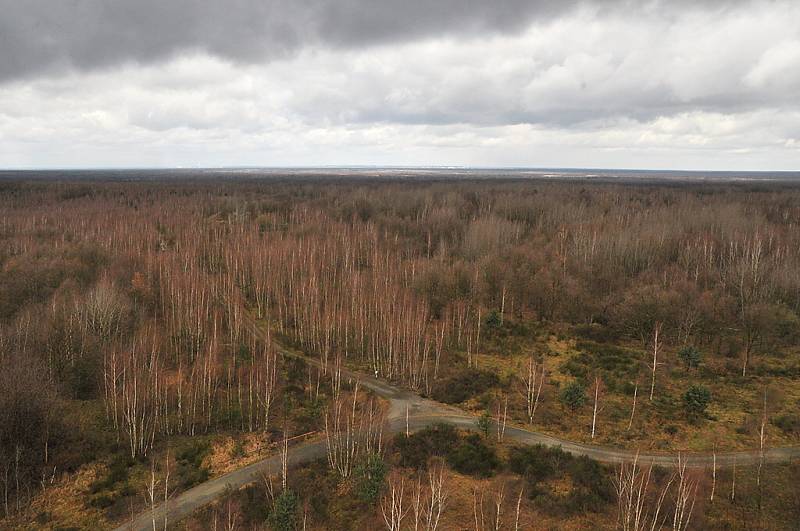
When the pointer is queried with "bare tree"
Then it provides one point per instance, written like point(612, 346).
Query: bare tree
point(231, 515)
point(392, 503)
point(633, 407)
point(516, 513)
point(713, 473)
point(284, 460)
point(502, 417)
point(533, 388)
point(656, 348)
point(417, 503)
point(761, 439)
point(477, 510)
point(341, 435)
point(351, 431)
point(437, 497)
point(103, 310)
point(632, 487)
point(429, 497)
point(495, 520)
point(595, 409)
point(684, 497)
point(499, 497)
point(152, 495)
point(139, 389)
point(151, 492)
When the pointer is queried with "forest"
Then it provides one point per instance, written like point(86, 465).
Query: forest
point(146, 327)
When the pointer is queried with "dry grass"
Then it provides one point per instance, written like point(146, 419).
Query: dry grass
point(62, 505)
point(734, 413)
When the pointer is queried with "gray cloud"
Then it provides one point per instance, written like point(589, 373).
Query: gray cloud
point(606, 83)
point(37, 35)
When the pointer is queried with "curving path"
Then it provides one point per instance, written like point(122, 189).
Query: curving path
point(410, 411)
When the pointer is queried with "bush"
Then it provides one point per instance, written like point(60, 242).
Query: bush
point(472, 456)
point(493, 320)
point(468, 455)
point(252, 505)
point(596, 332)
point(535, 463)
point(696, 399)
point(190, 470)
point(464, 385)
point(284, 512)
point(789, 422)
point(237, 451)
point(82, 377)
point(370, 475)
point(591, 488)
point(416, 449)
point(485, 423)
point(104, 501)
point(608, 357)
point(690, 357)
point(573, 396)
point(117, 473)
point(575, 368)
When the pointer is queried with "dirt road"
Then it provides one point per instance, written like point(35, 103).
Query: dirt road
point(408, 410)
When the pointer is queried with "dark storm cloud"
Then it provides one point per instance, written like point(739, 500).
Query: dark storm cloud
point(36, 35)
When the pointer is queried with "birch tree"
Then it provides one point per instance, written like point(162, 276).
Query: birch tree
point(533, 387)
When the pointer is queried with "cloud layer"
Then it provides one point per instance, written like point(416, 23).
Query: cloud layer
point(42, 34)
point(547, 83)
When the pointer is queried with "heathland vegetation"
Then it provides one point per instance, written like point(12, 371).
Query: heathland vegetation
point(646, 316)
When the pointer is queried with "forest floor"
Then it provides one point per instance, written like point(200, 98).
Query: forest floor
point(732, 420)
point(81, 499)
point(110, 487)
point(426, 413)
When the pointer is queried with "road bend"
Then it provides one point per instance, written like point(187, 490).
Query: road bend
point(412, 412)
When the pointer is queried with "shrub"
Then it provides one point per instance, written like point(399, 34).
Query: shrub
point(596, 332)
point(493, 320)
point(574, 368)
point(104, 501)
point(252, 505)
point(789, 422)
point(284, 512)
point(535, 463)
point(370, 475)
point(117, 473)
point(190, 470)
point(690, 357)
point(608, 357)
point(472, 456)
point(82, 377)
point(464, 385)
point(591, 488)
point(468, 455)
point(237, 451)
point(573, 396)
point(417, 448)
point(485, 423)
point(696, 399)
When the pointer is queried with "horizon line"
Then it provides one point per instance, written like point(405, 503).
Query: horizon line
point(361, 167)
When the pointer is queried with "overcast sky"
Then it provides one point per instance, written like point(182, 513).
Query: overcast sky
point(677, 84)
